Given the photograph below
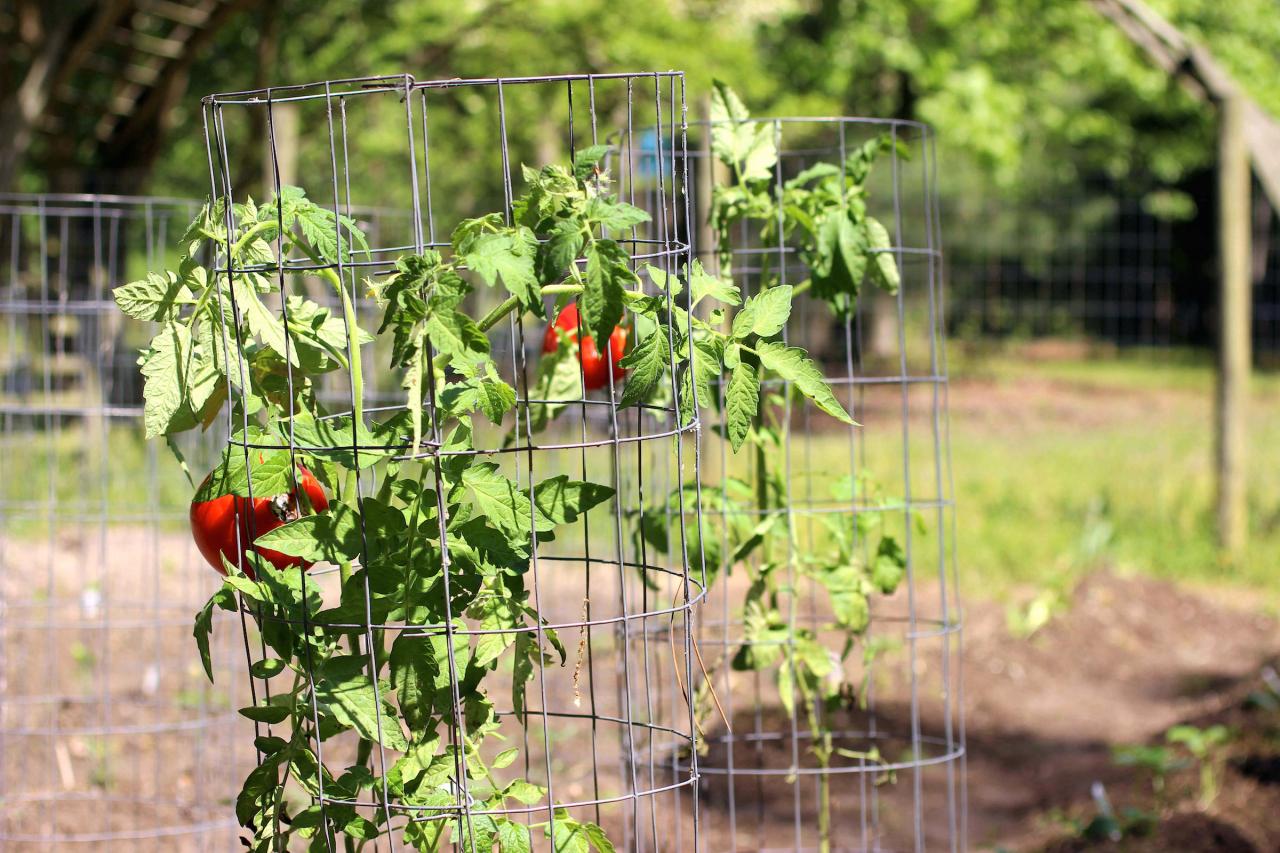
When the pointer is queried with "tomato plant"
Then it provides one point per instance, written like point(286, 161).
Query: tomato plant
point(595, 364)
point(445, 538)
point(820, 213)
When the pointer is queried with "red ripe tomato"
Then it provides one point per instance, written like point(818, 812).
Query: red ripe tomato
point(595, 369)
point(214, 523)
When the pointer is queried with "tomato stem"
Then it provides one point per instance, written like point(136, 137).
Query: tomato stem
point(511, 303)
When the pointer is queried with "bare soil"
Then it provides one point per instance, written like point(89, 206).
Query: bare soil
point(1127, 660)
point(1131, 658)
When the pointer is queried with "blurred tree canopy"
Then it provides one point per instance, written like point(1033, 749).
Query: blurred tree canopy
point(1033, 91)
point(1030, 96)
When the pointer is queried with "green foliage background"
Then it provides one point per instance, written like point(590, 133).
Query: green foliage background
point(1029, 96)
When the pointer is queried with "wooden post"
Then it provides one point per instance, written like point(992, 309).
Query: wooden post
point(1235, 327)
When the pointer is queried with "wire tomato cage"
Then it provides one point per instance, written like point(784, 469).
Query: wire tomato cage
point(109, 732)
point(832, 631)
point(473, 658)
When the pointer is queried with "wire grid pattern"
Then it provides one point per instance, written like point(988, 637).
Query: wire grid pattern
point(608, 735)
point(1101, 268)
point(762, 790)
point(109, 732)
point(1266, 271)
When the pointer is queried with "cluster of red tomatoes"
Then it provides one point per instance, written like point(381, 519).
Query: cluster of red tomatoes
point(222, 527)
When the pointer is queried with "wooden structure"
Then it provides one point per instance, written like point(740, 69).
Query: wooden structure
point(92, 83)
point(1247, 134)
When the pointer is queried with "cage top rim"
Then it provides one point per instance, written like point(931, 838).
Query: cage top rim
point(923, 126)
point(407, 82)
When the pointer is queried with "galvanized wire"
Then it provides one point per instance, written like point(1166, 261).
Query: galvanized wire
point(887, 364)
point(1098, 265)
point(604, 588)
point(110, 734)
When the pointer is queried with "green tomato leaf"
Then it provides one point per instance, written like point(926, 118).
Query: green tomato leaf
point(455, 334)
point(786, 687)
point(745, 146)
point(703, 284)
point(561, 500)
point(331, 438)
point(508, 254)
point(567, 835)
point(884, 266)
point(562, 247)
point(890, 565)
point(224, 598)
point(501, 501)
point(614, 215)
point(742, 401)
point(608, 274)
point(513, 837)
point(646, 362)
point(840, 259)
point(262, 321)
point(765, 314)
point(726, 106)
point(795, 366)
point(264, 472)
point(347, 693)
point(319, 336)
point(414, 674)
point(495, 612)
point(504, 758)
point(156, 298)
point(267, 668)
point(708, 356)
point(524, 792)
point(487, 394)
point(559, 382)
point(261, 782)
point(179, 381)
point(271, 714)
point(847, 591)
point(669, 284)
point(333, 536)
point(598, 839)
point(587, 161)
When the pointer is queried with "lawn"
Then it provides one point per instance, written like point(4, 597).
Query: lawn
point(1064, 464)
point(1061, 465)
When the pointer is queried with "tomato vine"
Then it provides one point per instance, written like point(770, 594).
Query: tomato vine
point(821, 213)
point(445, 539)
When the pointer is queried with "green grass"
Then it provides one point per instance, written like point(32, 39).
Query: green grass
point(1060, 466)
point(1034, 490)
point(65, 474)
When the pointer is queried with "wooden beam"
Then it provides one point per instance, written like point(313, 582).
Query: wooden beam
point(1199, 72)
point(1246, 133)
point(1235, 327)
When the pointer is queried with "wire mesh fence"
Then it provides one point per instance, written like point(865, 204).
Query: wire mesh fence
point(109, 733)
point(1100, 266)
point(565, 683)
point(831, 633)
point(500, 637)
point(1266, 275)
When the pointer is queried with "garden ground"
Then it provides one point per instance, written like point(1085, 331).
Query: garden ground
point(1097, 611)
point(1106, 616)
